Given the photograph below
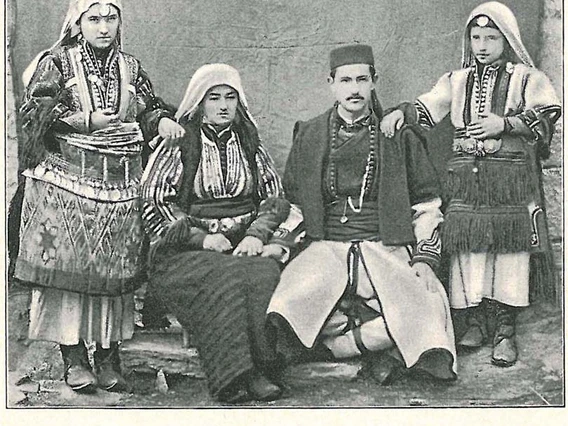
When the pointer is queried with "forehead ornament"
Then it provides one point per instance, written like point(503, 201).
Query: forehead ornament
point(104, 10)
point(482, 21)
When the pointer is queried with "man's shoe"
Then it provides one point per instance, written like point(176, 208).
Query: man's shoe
point(107, 364)
point(382, 368)
point(77, 370)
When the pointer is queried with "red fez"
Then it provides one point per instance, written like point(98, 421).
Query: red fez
point(352, 54)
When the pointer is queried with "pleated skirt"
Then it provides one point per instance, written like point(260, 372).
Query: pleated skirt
point(66, 317)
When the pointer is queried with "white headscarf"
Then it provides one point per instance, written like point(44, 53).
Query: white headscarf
point(205, 78)
point(71, 29)
point(504, 19)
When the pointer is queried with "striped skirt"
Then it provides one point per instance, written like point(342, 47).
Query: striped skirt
point(222, 300)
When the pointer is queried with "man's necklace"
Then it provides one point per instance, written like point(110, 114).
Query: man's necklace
point(367, 177)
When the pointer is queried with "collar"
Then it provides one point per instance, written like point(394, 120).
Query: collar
point(349, 125)
point(217, 134)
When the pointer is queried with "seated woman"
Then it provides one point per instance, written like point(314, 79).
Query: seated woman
point(211, 200)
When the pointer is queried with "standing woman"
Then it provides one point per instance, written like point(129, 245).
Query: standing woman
point(211, 201)
point(503, 111)
point(87, 110)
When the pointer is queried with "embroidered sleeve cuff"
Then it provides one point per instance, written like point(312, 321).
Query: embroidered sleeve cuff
point(291, 231)
point(432, 260)
point(428, 251)
point(423, 116)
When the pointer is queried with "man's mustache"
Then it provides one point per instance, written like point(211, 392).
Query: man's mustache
point(355, 97)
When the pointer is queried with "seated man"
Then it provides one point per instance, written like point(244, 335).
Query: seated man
point(365, 284)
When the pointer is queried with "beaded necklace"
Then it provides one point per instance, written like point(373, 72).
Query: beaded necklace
point(100, 75)
point(367, 180)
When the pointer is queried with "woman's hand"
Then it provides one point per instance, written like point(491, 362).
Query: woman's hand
point(392, 122)
point(103, 118)
point(249, 246)
point(486, 126)
point(217, 242)
point(425, 274)
point(168, 128)
point(275, 251)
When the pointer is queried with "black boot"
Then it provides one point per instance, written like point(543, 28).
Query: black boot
point(107, 364)
point(505, 351)
point(262, 389)
point(476, 333)
point(77, 370)
point(251, 386)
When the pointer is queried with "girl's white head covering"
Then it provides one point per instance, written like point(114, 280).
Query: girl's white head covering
point(504, 19)
point(71, 28)
point(203, 80)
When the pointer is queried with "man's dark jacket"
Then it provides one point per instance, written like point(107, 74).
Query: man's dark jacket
point(406, 177)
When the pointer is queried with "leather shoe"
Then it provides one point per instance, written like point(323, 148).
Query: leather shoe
point(107, 366)
point(505, 352)
point(261, 389)
point(473, 338)
point(80, 379)
point(382, 368)
point(111, 380)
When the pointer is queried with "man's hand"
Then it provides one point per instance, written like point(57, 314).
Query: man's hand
point(392, 122)
point(167, 128)
point(426, 275)
point(486, 126)
point(275, 251)
point(103, 118)
point(217, 242)
point(249, 246)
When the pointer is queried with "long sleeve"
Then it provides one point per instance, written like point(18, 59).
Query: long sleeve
point(424, 191)
point(45, 103)
point(151, 109)
point(433, 106)
point(163, 219)
point(426, 221)
point(273, 207)
point(541, 110)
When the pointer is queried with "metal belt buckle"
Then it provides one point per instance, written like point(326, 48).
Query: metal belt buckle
point(477, 147)
point(214, 226)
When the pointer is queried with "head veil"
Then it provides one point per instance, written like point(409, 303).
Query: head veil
point(71, 30)
point(504, 19)
point(202, 81)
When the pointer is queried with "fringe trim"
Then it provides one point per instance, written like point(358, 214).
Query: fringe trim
point(478, 232)
point(496, 182)
point(544, 277)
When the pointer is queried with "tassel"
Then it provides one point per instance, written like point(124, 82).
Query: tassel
point(544, 278)
point(491, 182)
point(481, 232)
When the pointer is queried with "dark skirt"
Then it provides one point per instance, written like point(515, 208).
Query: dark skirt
point(222, 300)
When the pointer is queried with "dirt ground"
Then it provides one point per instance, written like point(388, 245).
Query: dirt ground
point(536, 380)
